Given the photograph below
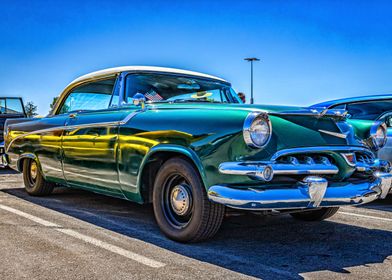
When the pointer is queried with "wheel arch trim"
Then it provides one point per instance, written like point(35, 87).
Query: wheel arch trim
point(170, 148)
point(32, 156)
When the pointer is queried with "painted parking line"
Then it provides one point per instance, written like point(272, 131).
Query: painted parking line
point(365, 216)
point(104, 245)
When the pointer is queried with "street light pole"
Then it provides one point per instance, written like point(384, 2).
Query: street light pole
point(251, 59)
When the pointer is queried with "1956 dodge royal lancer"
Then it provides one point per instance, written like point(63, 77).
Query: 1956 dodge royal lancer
point(184, 142)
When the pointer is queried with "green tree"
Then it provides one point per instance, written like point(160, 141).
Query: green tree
point(31, 109)
point(53, 102)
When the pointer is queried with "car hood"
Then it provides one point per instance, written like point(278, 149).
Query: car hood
point(270, 109)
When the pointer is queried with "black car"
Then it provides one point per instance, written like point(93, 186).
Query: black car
point(10, 108)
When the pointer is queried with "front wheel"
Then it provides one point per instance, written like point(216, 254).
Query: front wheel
point(34, 182)
point(315, 215)
point(181, 206)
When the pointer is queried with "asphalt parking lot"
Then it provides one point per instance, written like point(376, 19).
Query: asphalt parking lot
point(74, 234)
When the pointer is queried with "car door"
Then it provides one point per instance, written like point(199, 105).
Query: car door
point(90, 139)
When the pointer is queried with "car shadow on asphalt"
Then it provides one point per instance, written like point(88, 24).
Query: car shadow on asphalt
point(265, 247)
point(381, 204)
point(7, 171)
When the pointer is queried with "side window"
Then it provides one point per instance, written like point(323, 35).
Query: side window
point(14, 106)
point(11, 106)
point(89, 97)
point(2, 106)
point(341, 107)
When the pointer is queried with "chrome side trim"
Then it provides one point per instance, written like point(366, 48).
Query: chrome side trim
point(72, 127)
point(299, 197)
point(336, 134)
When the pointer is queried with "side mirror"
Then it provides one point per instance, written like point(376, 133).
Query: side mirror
point(139, 100)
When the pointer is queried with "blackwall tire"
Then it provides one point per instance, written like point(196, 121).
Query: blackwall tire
point(34, 182)
point(181, 206)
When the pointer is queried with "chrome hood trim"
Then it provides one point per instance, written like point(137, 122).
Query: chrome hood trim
point(316, 112)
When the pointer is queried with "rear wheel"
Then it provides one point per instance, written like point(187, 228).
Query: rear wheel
point(181, 206)
point(34, 182)
point(315, 215)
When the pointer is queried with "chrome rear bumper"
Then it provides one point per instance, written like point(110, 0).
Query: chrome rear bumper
point(312, 192)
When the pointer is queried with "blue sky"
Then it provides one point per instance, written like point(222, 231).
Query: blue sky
point(311, 50)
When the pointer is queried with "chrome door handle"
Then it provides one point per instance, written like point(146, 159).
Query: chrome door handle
point(73, 115)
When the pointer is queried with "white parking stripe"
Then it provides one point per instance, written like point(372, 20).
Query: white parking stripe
point(109, 247)
point(365, 216)
point(28, 216)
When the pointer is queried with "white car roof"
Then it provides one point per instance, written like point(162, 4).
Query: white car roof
point(115, 70)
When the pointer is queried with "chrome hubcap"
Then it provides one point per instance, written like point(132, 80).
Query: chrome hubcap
point(33, 170)
point(180, 200)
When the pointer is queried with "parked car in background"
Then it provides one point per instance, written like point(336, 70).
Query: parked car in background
point(184, 142)
point(10, 108)
point(368, 111)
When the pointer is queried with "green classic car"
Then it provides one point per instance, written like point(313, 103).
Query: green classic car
point(183, 141)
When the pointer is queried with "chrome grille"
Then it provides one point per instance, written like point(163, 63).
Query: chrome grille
point(302, 159)
point(366, 158)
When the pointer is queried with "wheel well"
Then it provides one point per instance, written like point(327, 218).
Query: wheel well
point(151, 169)
point(20, 164)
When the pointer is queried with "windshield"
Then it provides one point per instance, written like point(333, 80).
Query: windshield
point(12, 106)
point(173, 88)
point(370, 110)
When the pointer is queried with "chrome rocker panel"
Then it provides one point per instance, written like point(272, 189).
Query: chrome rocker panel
point(313, 192)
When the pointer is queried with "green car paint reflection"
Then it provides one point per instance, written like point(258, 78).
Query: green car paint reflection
point(122, 150)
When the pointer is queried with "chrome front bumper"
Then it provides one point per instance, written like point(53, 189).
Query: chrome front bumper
point(312, 192)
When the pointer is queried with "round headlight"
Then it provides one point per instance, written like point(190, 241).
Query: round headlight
point(378, 135)
point(257, 130)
